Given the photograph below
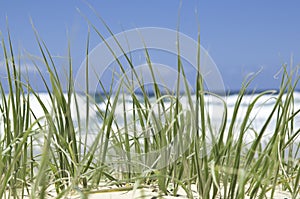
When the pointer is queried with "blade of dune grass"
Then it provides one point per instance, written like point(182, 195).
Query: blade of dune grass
point(87, 89)
point(200, 159)
point(109, 121)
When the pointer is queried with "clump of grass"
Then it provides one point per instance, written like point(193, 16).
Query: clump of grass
point(16, 167)
point(67, 163)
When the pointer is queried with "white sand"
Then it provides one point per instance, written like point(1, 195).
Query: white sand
point(152, 193)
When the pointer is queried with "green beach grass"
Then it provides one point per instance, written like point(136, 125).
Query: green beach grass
point(66, 164)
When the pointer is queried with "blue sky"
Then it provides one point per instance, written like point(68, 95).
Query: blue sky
point(240, 36)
